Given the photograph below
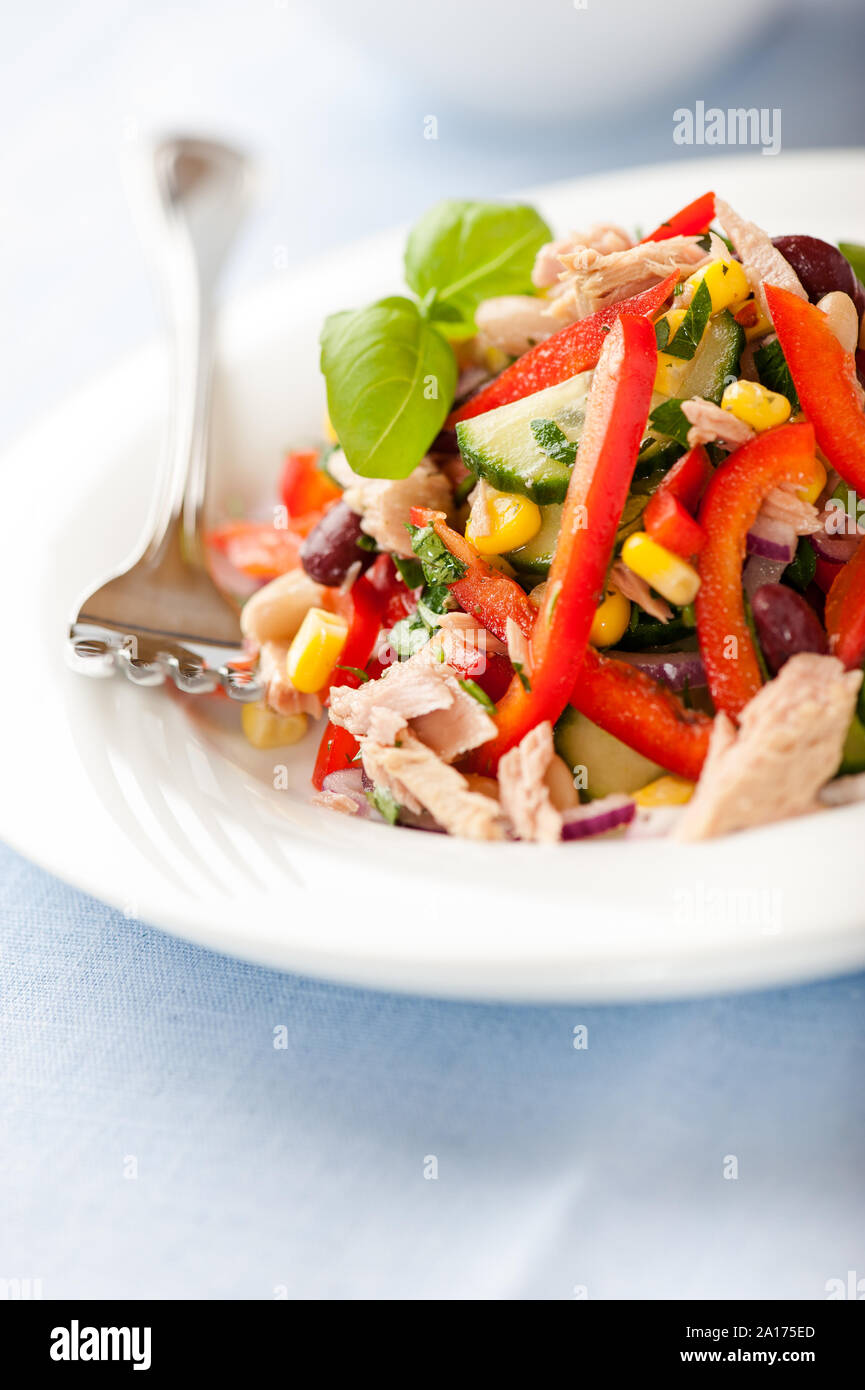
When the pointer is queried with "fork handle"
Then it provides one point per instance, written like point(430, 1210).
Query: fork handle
point(201, 192)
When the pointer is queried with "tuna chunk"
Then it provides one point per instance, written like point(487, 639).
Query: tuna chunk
point(788, 746)
point(280, 695)
point(712, 425)
point(761, 261)
point(784, 504)
point(276, 611)
point(525, 796)
point(592, 280)
point(423, 694)
point(384, 503)
point(513, 322)
point(336, 801)
point(633, 587)
point(418, 780)
point(604, 237)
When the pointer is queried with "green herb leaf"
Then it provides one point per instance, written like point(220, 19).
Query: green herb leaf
point(408, 636)
point(472, 688)
point(410, 571)
point(355, 671)
point(855, 254)
point(801, 570)
point(554, 442)
point(437, 599)
point(390, 381)
point(439, 566)
point(774, 373)
point(385, 803)
point(366, 543)
point(669, 419)
point(467, 251)
point(686, 339)
point(522, 677)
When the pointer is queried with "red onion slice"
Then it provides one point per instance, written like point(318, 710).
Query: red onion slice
point(675, 669)
point(759, 571)
point(348, 781)
point(598, 817)
point(772, 540)
point(835, 545)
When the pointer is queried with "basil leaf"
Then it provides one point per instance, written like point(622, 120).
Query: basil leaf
point(466, 252)
point(669, 419)
point(856, 256)
point(554, 442)
point(773, 371)
point(686, 339)
point(390, 382)
point(439, 566)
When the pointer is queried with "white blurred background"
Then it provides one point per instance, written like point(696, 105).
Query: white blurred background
point(334, 100)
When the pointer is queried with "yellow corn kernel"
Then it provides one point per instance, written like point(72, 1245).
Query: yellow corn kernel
point(816, 485)
point(513, 521)
point(611, 619)
point(672, 577)
point(726, 282)
point(756, 405)
point(670, 373)
point(328, 430)
point(266, 729)
point(495, 360)
point(315, 649)
point(665, 791)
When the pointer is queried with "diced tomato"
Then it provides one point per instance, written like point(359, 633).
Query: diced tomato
point(257, 549)
point(304, 487)
point(336, 751)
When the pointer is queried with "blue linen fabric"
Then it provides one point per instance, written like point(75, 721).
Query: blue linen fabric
point(179, 1124)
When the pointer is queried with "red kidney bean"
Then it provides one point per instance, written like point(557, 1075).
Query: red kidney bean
point(786, 624)
point(821, 268)
point(331, 548)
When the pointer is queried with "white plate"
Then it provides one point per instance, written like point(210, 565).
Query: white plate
point(155, 806)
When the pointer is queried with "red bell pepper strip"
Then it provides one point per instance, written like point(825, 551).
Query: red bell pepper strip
point(729, 510)
point(670, 524)
point(618, 408)
point(845, 612)
point(482, 591)
point(667, 517)
point(336, 751)
point(692, 220)
point(643, 713)
point(688, 478)
point(640, 711)
point(304, 487)
point(825, 379)
point(573, 349)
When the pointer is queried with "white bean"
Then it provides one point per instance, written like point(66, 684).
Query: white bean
point(275, 613)
point(843, 319)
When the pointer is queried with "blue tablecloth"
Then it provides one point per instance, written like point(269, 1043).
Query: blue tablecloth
point(155, 1141)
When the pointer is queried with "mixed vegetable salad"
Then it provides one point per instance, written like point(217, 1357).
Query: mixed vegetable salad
point(585, 550)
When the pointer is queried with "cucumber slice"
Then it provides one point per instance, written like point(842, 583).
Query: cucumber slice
point(853, 757)
point(611, 766)
point(501, 447)
point(716, 360)
point(537, 555)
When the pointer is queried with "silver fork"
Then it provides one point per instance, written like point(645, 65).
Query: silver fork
point(161, 614)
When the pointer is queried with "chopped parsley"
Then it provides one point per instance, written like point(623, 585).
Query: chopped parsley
point(686, 339)
point(669, 419)
point(472, 688)
point(366, 543)
point(410, 572)
point(354, 671)
point(439, 566)
point(553, 441)
point(522, 677)
point(774, 373)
